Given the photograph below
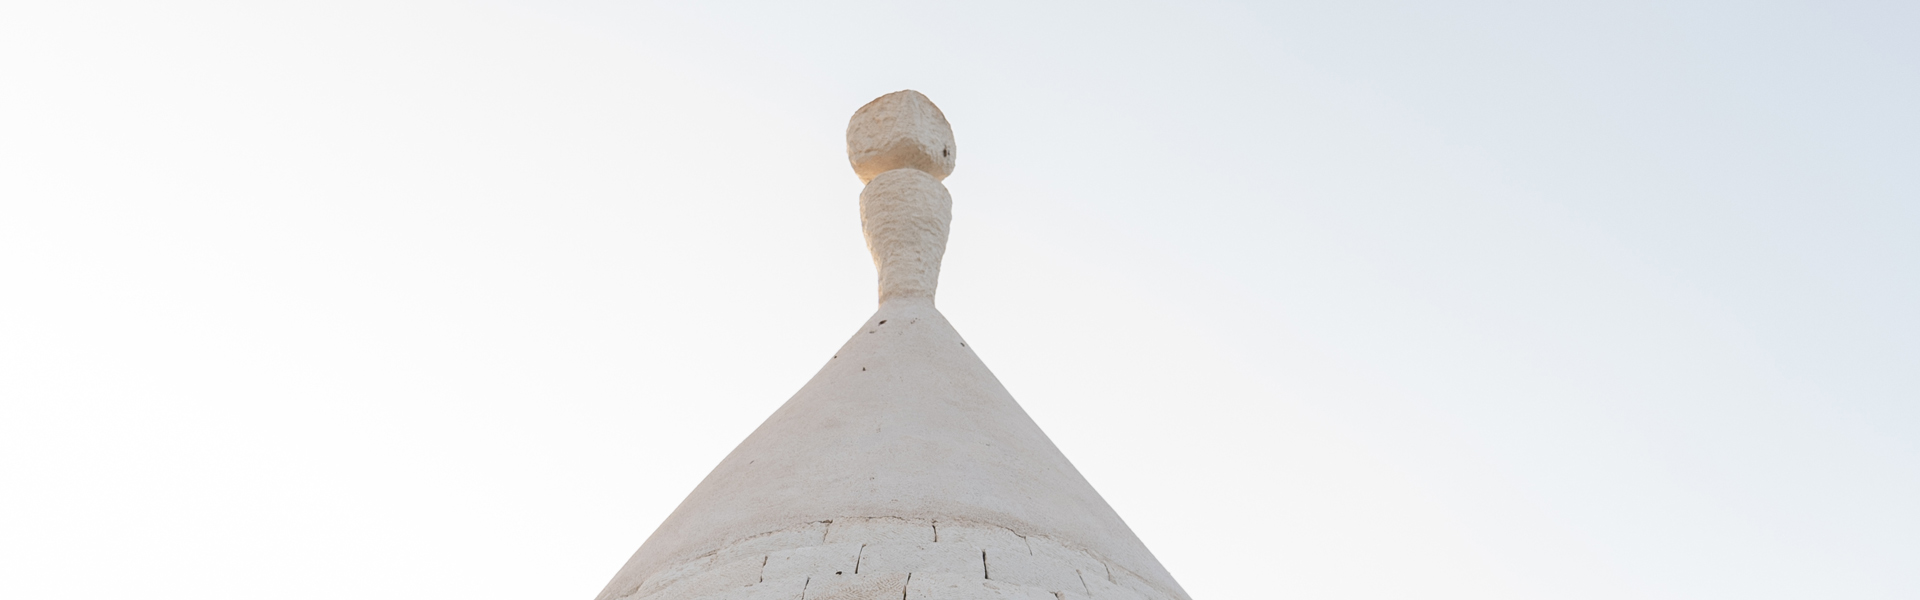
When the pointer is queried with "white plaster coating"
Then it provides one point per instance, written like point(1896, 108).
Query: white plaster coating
point(902, 433)
point(1045, 572)
point(980, 536)
point(905, 214)
point(904, 422)
point(716, 580)
point(759, 546)
point(857, 586)
point(922, 558)
point(879, 530)
point(809, 568)
point(946, 586)
point(768, 589)
point(901, 130)
point(812, 560)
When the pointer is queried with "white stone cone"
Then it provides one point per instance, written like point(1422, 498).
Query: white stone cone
point(903, 469)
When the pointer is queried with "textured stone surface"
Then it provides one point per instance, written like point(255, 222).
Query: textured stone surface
point(860, 586)
point(1101, 589)
point(772, 589)
point(1130, 581)
point(979, 536)
point(879, 530)
point(1046, 572)
point(982, 562)
point(906, 214)
point(945, 586)
point(901, 130)
point(666, 577)
point(809, 534)
point(905, 422)
point(716, 581)
point(1077, 560)
point(923, 557)
point(825, 559)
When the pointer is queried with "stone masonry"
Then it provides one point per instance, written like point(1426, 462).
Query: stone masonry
point(887, 557)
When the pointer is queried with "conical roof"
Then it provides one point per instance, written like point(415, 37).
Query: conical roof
point(903, 469)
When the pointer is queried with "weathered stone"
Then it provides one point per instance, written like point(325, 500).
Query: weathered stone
point(901, 130)
point(825, 559)
point(857, 586)
point(1101, 589)
point(1041, 571)
point(905, 214)
point(786, 588)
point(916, 558)
point(1081, 561)
point(1128, 580)
point(810, 534)
point(664, 578)
point(947, 586)
point(714, 582)
point(979, 536)
point(879, 530)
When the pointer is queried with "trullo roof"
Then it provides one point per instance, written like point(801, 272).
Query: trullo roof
point(903, 470)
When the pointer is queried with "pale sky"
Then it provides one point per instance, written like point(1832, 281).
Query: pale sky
point(1358, 300)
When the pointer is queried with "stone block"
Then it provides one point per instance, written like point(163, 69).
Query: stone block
point(947, 586)
point(786, 588)
point(811, 534)
point(979, 536)
point(625, 586)
point(916, 558)
point(857, 586)
point(1127, 579)
point(1081, 561)
point(659, 581)
point(1037, 570)
point(878, 530)
point(1101, 589)
point(901, 130)
point(812, 560)
point(714, 582)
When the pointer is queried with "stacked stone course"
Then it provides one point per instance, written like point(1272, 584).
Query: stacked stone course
point(886, 557)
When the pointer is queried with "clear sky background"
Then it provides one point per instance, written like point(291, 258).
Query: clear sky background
point(1356, 300)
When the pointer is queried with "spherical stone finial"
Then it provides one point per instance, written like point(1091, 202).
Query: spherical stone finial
point(905, 214)
point(901, 130)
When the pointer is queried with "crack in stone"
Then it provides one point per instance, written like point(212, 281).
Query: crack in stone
point(1112, 572)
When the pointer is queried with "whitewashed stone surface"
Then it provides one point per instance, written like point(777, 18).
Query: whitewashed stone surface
point(903, 469)
point(901, 130)
point(906, 214)
point(837, 562)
